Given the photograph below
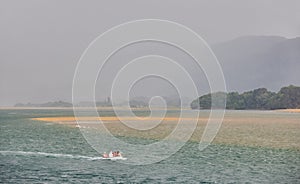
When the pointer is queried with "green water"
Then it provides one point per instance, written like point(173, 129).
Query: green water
point(39, 152)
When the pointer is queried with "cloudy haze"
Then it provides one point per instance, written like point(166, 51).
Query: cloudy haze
point(42, 41)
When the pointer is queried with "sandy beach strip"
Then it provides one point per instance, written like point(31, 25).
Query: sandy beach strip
point(112, 119)
point(278, 132)
point(289, 110)
point(236, 120)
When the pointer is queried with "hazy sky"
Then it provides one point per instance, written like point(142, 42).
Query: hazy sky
point(41, 41)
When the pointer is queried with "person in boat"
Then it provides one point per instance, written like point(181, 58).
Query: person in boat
point(112, 154)
point(105, 155)
point(119, 154)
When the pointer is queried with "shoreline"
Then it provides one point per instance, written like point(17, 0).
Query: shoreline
point(288, 110)
point(91, 108)
point(135, 109)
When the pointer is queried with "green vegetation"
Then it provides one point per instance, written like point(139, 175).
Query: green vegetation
point(286, 98)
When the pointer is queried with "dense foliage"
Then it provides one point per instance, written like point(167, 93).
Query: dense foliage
point(287, 97)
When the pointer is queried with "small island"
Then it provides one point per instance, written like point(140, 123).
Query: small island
point(258, 99)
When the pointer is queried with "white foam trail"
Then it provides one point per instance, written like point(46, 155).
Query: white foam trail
point(58, 155)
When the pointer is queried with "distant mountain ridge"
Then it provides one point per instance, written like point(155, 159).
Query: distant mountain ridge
point(255, 61)
point(248, 62)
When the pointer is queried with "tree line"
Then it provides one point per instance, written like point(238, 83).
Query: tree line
point(261, 99)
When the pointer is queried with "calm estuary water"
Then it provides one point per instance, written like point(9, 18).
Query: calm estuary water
point(41, 152)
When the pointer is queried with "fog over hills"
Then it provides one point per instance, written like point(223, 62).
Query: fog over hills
point(42, 42)
point(259, 61)
point(248, 62)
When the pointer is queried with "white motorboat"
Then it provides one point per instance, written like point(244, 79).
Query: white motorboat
point(114, 158)
point(116, 155)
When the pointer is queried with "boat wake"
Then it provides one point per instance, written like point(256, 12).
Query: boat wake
point(56, 155)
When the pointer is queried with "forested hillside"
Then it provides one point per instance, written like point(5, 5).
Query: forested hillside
point(287, 98)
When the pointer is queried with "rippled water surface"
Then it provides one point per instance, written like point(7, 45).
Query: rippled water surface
point(39, 152)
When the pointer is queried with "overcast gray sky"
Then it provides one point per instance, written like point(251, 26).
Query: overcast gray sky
point(41, 41)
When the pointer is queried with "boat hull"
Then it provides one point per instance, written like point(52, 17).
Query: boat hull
point(114, 158)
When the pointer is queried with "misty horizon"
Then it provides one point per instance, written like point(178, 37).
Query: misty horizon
point(42, 42)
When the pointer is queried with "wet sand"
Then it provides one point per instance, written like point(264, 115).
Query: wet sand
point(262, 131)
point(289, 110)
